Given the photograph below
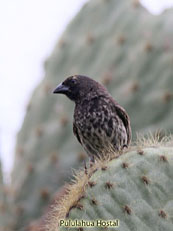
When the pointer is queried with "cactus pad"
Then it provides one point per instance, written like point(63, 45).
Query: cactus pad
point(135, 188)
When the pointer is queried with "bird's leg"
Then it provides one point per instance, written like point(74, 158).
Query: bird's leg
point(85, 167)
point(92, 160)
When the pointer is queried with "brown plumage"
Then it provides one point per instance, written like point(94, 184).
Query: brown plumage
point(100, 124)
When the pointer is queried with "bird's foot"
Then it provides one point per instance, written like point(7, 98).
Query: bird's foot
point(125, 146)
point(85, 167)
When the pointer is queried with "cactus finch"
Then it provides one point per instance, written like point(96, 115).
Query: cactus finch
point(100, 124)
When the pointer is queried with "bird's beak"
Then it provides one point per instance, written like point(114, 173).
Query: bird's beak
point(61, 89)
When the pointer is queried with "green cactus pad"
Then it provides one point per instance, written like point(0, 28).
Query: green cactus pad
point(135, 188)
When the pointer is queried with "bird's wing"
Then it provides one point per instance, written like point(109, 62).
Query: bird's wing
point(75, 131)
point(126, 121)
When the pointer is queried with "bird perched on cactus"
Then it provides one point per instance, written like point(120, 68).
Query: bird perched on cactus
point(100, 124)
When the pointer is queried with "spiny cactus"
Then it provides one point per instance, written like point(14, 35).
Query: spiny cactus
point(135, 188)
point(118, 43)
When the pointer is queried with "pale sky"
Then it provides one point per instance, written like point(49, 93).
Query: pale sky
point(29, 30)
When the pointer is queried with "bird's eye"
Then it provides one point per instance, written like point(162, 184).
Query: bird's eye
point(73, 81)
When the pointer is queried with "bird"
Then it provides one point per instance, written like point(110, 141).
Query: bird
point(100, 124)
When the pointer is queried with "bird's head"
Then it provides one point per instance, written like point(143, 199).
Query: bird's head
point(78, 87)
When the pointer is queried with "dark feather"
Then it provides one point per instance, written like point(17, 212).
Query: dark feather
point(75, 131)
point(126, 121)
